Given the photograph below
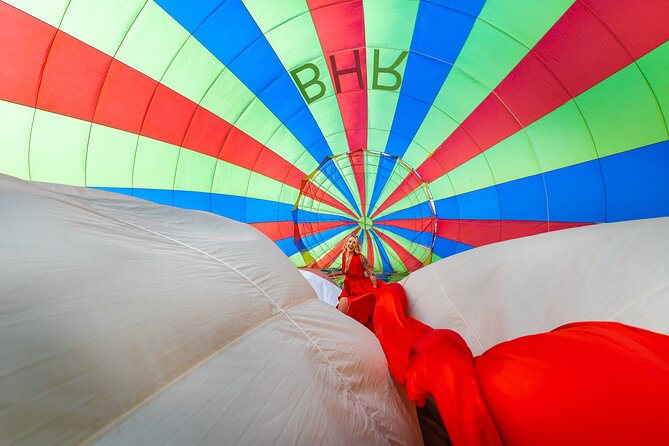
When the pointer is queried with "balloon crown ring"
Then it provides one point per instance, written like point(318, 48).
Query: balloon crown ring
point(374, 196)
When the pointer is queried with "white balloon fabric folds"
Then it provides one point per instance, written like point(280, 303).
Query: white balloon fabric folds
point(127, 322)
point(325, 289)
point(614, 272)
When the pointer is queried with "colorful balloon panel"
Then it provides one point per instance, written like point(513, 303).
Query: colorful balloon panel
point(426, 128)
point(399, 240)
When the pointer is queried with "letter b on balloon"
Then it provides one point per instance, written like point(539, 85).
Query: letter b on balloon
point(306, 76)
point(313, 82)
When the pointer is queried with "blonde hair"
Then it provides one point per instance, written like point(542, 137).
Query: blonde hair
point(358, 246)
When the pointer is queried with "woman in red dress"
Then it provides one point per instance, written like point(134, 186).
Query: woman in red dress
point(359, 275)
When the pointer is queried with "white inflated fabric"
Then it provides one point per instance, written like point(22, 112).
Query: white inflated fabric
point(126, 322)
point(611, 272)
point(326, 291)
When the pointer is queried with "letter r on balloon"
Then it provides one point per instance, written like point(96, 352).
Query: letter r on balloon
point(307, 76)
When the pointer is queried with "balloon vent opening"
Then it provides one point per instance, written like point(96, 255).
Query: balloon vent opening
point(375, 196)
point(365, 223)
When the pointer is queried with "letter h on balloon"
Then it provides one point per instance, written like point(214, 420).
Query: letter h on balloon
point(307, 76)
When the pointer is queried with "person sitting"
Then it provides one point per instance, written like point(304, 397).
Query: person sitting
point(359, 278)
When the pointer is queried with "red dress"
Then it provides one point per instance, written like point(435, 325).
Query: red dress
point(359, 290)
point(355, 281)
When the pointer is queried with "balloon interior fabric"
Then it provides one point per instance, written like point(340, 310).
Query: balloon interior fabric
point(318, 222)
point(615, 272)
point(217, 340)
point(314, 119)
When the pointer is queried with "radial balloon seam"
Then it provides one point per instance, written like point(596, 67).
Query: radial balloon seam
point(657, 101)
point(574, 99)
point(104, 82)
point(455, 66)
point(412, 50)
point(634, 61)
point(650, 87)
point(272, 28)
point(534, 153)
point(341, 117)
point(248, 184)
point(257, 95)
point(39, 84)
point(492, 174)
point(262, 35)
point(188, 127)
point(225, 68)
point(490, 90)
point(532, 146)
point(336, 95)
point(234, 125)
point(450, 181)
point(146, 114)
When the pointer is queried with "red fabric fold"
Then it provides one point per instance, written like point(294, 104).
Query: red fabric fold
point(396, 332)
point(581, 384)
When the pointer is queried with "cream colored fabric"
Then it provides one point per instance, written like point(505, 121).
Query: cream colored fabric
point(614, 272)
point(326, 291)
point(126, 322)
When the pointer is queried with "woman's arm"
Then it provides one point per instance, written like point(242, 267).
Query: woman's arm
point(368, 269)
